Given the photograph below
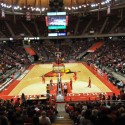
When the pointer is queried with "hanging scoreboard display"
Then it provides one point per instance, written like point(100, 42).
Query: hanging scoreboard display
point(57, 23)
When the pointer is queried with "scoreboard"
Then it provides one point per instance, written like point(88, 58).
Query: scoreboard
point(57, 23)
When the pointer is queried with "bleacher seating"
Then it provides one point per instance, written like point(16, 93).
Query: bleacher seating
point(110, 55)
point(13, 57)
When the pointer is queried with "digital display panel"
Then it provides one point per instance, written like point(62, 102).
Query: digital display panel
point(56, 23)
point(56, 27)
point(56, 34)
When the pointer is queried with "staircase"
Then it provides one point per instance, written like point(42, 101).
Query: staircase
point(62, 117)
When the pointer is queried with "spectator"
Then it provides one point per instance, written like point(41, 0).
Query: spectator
point(43, 119)
point(23, 99)
point(113, 97)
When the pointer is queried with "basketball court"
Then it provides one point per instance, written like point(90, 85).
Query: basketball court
point(31, 82)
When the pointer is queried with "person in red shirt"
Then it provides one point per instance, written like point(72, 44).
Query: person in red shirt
point(89, 84)
point(75, 76)
point(17, 102)
point(43, 78)
point(75, 73)
point(51, 82)
point(71, 83)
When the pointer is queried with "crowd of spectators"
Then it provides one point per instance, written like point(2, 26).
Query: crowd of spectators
point(107, 111)
point(13, 57)
point(46, 50)
point(110, 55)
point(80, 46)
point(69, 49)
point(17, 113)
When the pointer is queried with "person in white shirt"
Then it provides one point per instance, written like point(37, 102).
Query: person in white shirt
point(65, 89)
point(43, 119)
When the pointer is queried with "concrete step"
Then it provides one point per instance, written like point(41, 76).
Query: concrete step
point(61, 124)
point(63, 121)
point(62, 117)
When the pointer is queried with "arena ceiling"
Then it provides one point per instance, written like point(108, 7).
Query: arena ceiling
point(45, 3)
point(37, 6)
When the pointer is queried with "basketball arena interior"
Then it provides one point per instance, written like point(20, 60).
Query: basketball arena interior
point(62, 62)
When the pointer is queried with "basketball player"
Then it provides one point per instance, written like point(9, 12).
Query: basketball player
point(75, 76)
point(51, 82)
point(89, 84)
point(71, 83)
point(75, 73)
point(43, 78)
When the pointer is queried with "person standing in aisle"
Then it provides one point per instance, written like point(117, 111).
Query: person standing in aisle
point(89, 84)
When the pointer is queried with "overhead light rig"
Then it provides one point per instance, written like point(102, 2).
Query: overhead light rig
point(57, 5)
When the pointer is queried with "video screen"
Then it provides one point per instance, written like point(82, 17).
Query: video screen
point(57, 20)
point(56, 23)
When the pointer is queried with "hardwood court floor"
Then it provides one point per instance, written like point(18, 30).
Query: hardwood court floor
point(32, 83)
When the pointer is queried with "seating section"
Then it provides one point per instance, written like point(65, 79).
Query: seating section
point(110, 55)
point(13, 57)
point(79, 47)
point(69, 49)
point(106, 111)
point(15, 112)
